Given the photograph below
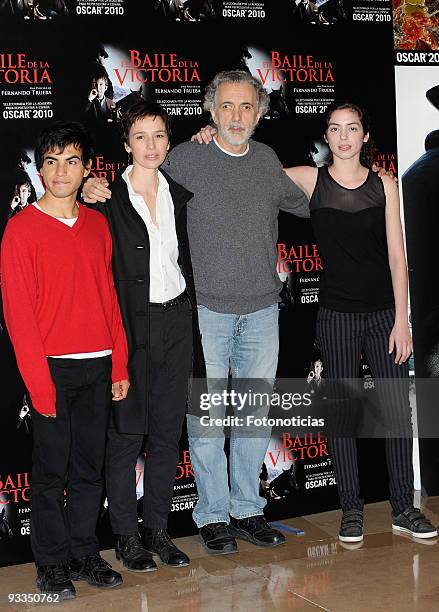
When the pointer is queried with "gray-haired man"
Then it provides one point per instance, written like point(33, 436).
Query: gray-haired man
point(239, 187)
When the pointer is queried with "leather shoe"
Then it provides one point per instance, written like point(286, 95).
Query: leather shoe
point(94, 570)
point(217, 539)
point(256, 530)
point(55, 580)
point(158, 542)
point(134, 556)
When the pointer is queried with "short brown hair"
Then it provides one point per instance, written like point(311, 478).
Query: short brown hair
point(140, 110)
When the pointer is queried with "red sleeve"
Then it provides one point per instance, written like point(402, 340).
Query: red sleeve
point(19, 293)
point(120, 347)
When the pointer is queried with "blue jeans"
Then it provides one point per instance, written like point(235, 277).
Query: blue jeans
point(249, 345)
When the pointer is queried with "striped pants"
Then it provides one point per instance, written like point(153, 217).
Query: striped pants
point(342, 338)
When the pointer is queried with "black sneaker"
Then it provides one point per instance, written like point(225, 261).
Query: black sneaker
point(415, 523)
point(55, 580)
point(256, 530)
point(134, 556)
point(351, 528)
point(94, 570)
point(217, 539)
point(157, 541)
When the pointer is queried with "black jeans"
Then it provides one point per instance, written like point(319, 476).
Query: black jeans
point(170, 354)
point(68, 455)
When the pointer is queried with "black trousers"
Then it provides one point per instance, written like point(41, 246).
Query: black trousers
point(68, 454)
point(342, 338)
point(170, 354)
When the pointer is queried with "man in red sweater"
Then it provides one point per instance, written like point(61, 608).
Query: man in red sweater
point(64, 322)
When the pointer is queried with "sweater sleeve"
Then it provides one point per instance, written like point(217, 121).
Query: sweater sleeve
point(19, 294)
point(120, 346)
point(177, 163)
point(293, 199)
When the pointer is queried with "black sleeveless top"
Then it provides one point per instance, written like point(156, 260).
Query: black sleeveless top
point(350, 231)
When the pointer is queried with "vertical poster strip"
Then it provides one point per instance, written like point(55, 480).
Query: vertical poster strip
point(417, 86)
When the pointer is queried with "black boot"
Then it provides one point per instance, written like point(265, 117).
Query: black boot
point(55, 580)
point(134, 556)
point(158, 542)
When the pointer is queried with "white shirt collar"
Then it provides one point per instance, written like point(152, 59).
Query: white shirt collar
point(228, 152)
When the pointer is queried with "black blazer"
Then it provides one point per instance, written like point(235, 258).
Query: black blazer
point(131, 279)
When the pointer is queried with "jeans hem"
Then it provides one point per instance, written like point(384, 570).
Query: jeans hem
point(212, 521)
point(244, 516)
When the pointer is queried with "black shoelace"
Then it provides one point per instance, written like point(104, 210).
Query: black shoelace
point(59, 573)
point(97, 563)
point(135, 543)
point(221, 529)
point(163, 538)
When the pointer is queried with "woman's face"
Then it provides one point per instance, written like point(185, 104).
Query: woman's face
point(148, 142)
point(345, 135)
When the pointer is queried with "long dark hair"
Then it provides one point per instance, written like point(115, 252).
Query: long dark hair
point(368, 151)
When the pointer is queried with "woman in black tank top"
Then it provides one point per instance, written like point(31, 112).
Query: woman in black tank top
point(363, 308)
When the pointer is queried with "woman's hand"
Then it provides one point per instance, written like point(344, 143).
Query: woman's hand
point(401, 341)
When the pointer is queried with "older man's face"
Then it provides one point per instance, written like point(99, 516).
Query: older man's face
point(236, 113)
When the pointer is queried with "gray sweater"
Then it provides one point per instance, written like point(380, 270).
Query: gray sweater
point(232, 222)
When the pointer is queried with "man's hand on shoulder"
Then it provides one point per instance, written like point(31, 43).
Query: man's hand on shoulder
point(205, 135)
point(96, 190)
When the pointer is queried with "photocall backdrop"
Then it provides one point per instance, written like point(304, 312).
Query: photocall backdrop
point(54, 56)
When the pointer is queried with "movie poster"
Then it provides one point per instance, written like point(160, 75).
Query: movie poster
point(372, 11)
point(205, 11)
point(297, 473)
point(25, 87)
point(15, 465)
point(416, 25)
point(40, 12)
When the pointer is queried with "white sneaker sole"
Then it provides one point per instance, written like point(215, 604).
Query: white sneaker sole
point(350, 538)
point(421, 536)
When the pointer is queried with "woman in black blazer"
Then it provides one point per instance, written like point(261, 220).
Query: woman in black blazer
point(147, 218)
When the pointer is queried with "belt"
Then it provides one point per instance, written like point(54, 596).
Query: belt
point(180, 299)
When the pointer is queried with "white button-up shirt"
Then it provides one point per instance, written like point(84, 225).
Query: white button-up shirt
point(165, 278)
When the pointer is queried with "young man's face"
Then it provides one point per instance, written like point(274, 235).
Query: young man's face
point(23, 194)
point(63, 171)
point(101, 86)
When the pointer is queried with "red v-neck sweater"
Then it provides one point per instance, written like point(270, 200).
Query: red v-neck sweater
point(58, 295)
